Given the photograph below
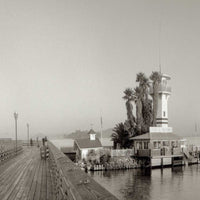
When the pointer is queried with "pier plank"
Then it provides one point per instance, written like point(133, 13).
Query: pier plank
point(27, 184)
point(9, 177)
point(18, 189)
point(43, 182)
point(49, 183)
point(36, 195)
point(33, 183)
point(13, 186)
point(29, 180)
point(25, 177)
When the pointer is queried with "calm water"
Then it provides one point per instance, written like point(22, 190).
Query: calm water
point(166, 184)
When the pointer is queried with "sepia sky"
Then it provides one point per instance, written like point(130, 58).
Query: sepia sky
point(63, 63)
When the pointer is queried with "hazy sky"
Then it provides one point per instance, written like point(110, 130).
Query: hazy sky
point(63, 63)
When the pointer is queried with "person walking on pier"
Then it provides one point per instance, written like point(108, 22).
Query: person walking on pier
point(44, 150)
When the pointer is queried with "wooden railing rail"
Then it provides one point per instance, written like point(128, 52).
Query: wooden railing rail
point(70, 182)
point(5, 155)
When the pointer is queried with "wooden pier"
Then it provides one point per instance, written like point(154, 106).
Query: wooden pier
point(27, 176)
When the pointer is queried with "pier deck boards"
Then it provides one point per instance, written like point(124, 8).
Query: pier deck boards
point(25, 176)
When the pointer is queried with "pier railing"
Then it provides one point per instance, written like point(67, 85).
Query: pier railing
point(9, 152)
point(70, 182)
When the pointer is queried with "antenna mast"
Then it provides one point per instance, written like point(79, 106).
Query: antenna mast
point(159, 48)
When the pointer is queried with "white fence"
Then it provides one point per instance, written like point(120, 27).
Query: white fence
point(122, 152)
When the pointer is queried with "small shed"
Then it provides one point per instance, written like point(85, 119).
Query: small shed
point(83, 146)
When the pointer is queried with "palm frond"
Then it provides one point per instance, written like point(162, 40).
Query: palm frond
point(155, 76)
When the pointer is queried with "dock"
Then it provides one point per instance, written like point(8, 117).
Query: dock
point(27, 176)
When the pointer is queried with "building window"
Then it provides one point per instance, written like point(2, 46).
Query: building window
point(165, 143)
point(163, 113)
point(159, 144)
point(140, 145)
point(155, 145)
point(145, 145)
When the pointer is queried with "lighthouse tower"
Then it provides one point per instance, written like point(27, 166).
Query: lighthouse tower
point(164, 92)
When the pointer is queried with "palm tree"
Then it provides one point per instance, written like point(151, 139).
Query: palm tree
point(144, 85)
point(140, 76)
point(138, 95)
point(120, 136)
point(156, 78)
point(147, 115)
point(131, 130)
point(129, 107)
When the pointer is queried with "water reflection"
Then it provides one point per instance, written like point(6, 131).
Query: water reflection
point(168, 183)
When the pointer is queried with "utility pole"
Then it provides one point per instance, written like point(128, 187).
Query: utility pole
point(16, 117)
point(27, 134)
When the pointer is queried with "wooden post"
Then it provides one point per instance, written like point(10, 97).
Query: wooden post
point(16, 117)
point(27, 134)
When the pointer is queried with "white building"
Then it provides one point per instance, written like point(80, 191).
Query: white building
point(83, 146)
point(164, 92)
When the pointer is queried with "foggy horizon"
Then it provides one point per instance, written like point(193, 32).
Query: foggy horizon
point(64, 64)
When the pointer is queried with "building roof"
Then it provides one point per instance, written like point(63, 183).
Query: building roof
point(91, 131)
point(67, 149)
point(87, 143)
point(157, 136)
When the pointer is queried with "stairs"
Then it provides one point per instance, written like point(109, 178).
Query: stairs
point(186, 153)
point(189, 159)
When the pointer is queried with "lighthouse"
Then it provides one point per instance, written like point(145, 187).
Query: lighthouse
point(160, 146)
point(164, 92)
